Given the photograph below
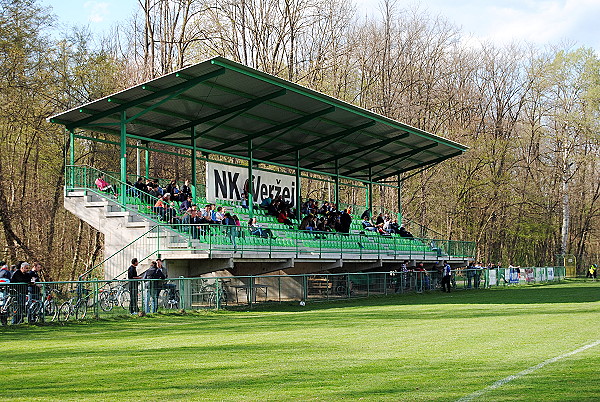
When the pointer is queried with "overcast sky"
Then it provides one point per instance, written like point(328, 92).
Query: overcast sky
point(501, 21)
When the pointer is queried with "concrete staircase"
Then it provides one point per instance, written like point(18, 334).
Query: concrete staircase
point(128, 234)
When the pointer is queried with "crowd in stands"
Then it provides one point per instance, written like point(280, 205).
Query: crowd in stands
point(174, 205)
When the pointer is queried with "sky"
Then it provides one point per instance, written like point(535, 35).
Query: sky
point(500, 21)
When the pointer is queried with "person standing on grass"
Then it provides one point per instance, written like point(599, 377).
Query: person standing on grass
point(22, 278)
point(446, 277)
point(133, 286)
point(152, 287)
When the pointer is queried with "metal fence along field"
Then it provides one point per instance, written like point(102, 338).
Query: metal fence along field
point(77, 300)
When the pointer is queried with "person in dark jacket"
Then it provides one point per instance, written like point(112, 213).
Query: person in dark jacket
point(22, 280)
point(153, 287)
point(346, 220)
point(133, 286)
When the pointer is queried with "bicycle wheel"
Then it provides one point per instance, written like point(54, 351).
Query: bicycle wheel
point(7, 311)
point(163, 298)
point(106, 301)
point(81, 308)
point(125, 299)
point(64, 312)
point(50, 307)
point(34, 311)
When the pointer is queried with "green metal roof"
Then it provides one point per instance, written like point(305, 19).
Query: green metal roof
point(230, 104)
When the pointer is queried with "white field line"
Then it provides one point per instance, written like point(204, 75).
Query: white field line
point(523, 373)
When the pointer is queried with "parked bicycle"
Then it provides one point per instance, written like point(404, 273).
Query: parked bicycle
point(168, 296)
point(111, 296)
point(77, 306)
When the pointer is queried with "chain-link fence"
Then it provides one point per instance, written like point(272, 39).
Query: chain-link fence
point(77, 300)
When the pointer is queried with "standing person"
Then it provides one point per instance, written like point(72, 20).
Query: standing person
point(446, 277)
point(5, 273)
point(133, 286)
point(170, 287)
point(592, 272)
point(22, 278)
point(34, 288)
point(153, 287)
point(346, 220)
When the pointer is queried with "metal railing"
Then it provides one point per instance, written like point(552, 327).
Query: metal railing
point(64, 301)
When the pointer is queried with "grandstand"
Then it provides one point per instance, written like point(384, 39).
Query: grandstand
point(278, 133)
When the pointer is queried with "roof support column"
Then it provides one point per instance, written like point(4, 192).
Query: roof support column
point(370, 192)
point(298, 199)
point(399, 200)
point(194, 175)
point(147, 160)
point(138, 161)
point(123, 126)
point(71, 172)
point(250, 180)
point(337, 184)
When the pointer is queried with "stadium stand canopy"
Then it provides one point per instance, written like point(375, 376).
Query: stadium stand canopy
point(220, 106)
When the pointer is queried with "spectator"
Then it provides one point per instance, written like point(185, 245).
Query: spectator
point(308, 223)
point(5, 273)
point(282, 217)
point(346, 220)
point(266, 202)
point(22, 278)
point(186, 204)
point(153, 286)
point(366, 216)
point(446, 277)
point(185, 189)
point(170, 287)
point(405, 233)
point(34, 288)
point(163, 208)
point(104, 186)
point(257, 230)
point(379, 220)
point(133, 286)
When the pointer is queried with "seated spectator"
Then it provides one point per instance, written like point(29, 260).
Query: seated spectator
point(218, 215)
point(282, 217)
point(308, 223)
point(164, 208)
point(187, 204)
point(266, 202)
point(367, 225)
point(394, 227)
point(104, 186)
point(244, 201)
point(257, 230)
point(379, 219)
point(405, 233)
point(274, 208)
point(206, 214)
point(366, 215)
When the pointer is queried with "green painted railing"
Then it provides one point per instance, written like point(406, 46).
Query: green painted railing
point(239, 240)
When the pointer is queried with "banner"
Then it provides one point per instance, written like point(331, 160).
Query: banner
point(226, 182)
point(514, 276)
point(492, 277)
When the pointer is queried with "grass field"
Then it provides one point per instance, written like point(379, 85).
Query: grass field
point(417, 347)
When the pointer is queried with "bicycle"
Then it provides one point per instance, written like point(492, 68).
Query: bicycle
point(50, 307)
point(222, 293)
point(114, 296)
point(168, 297)
point(77, 306)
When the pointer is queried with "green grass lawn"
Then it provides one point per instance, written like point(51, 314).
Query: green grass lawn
point(417, 347)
